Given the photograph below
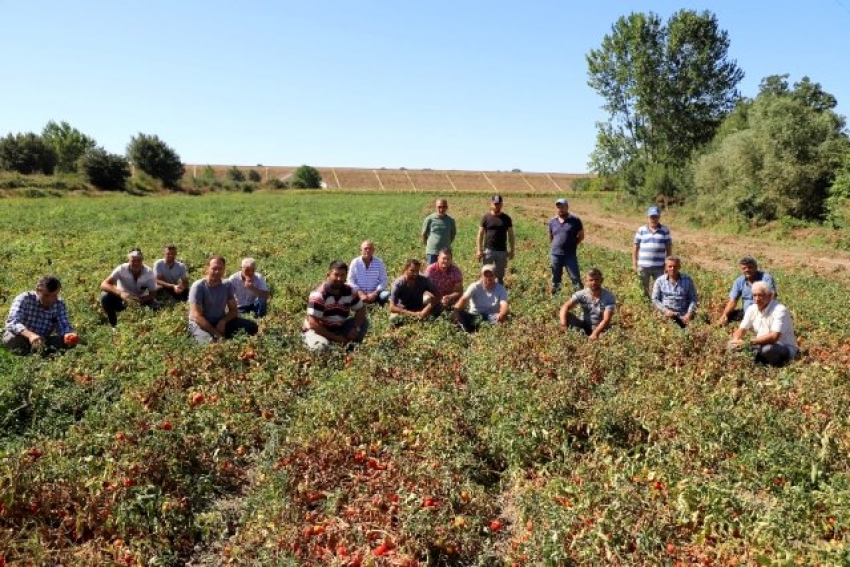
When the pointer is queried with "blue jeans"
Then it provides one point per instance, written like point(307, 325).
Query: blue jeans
point(558, 263)
point(258, 308)
point(430, 259)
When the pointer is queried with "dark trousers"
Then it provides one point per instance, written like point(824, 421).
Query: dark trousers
point(113, 304)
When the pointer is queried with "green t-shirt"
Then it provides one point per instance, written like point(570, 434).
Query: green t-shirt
point(440, 232)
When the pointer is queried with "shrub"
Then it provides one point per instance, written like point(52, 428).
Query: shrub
point(235, 174)
point(104, 170)
point(27, 153)
point(254, 176)
point(306, 177)
point(154, 157)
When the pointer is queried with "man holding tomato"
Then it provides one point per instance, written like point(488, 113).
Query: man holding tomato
point(38, 319)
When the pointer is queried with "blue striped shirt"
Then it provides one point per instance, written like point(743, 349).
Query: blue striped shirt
point(27, 313)
point(367, 280)
point(652, 246)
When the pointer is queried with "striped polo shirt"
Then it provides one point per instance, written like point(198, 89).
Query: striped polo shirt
point(652, 246)
point(332, 310)
point(367, 280)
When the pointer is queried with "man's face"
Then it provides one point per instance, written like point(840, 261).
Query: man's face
point(442, 207)
point(672, 269)
point(563, 210)
point(46, 298)
point(215, 270)
point(336, 278)
point(444, 261)
point(367, 250)
point(488, 279)
point(170, 255)
point(136, 264)
point(248, 272)
point(749, 271)
point(593, 283)
point(762, 299)
point(654, 220)
point(411, 272)
point(496, 208)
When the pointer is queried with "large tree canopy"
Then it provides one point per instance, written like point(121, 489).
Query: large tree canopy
point(68, 143)
point(776, 155)
point(666, 88)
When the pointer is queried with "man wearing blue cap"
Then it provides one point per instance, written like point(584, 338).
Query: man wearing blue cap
point(565, 234)
point(653, 244)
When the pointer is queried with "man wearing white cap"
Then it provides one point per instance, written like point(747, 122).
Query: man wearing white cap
point(131, 281)
point(653, 243)
point(487, 300)
point(566, 232)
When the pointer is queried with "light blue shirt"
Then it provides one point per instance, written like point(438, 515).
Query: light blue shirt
point(744, 289)
point(679, 296)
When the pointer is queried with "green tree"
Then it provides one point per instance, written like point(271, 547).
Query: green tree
point(235, 174)
point(253, 175)
point(780, 158)
point(104, 170)
point(666, 89)
point(68, 143)
point(306, 177)
point(26, 153)
point(156, 158)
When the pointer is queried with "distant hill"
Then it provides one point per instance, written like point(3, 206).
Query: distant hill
point(416, 179)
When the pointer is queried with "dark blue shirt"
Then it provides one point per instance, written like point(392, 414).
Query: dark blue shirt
point(565, 235)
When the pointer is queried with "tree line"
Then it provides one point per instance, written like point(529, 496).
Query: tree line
point(678, 129)
point(61, 148)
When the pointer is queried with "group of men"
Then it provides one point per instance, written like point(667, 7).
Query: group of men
point(336, 309)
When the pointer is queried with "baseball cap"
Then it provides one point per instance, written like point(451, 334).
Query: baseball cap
point(652, 212)
point(561, 201)
point(496, 200)
point(488, 268)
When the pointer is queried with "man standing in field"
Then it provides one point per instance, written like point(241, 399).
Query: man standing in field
point(653, 243)
point(566, 232)
point(447, 278)
point(674, 293)
point(368, 275)
point(495, 241)
point(132, 281)
point(413, 295)
point(487, 300)
point(213, 313)
point(597, 305)
point(252, 292)
point(774, 343)
point(38, 319)
point(172, 278)
point(335, 312)
point(438, 231)
point(742, 289)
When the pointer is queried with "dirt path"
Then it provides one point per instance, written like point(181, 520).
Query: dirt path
point(716, 252)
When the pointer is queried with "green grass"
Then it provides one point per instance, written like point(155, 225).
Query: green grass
point(652, 446)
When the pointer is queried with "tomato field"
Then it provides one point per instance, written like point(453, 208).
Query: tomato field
point(518, 445)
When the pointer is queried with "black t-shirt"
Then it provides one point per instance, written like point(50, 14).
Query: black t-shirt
point(496, 231)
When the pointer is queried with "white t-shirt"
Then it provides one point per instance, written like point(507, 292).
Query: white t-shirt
point(243, 295)
point(774, 318)
point(127, 282)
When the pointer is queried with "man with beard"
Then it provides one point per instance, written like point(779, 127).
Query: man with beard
point(335, 312)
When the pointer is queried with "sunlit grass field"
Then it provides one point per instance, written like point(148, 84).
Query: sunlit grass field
point(518, 445)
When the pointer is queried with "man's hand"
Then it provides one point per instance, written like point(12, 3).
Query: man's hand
point(501, 317)
point(670, 313)
point(723, 320)
point(35, 340)
point(219, 328)
point(478, 254)
point(179, 288)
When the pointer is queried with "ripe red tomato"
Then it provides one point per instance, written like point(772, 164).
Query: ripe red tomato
point(197, 399)
point(71, 339)
point(495, 525)
point(165, 425)
point(381, 549)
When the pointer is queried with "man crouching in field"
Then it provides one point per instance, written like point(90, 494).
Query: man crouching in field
point(774, 343)
point(329, 310)
point(213, 313)
point(34, 318)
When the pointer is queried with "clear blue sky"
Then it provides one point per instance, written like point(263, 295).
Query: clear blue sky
point(460, 84)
